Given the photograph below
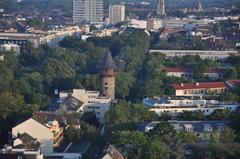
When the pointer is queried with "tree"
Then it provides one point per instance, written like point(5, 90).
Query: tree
point(90, 118)
point(163, 128)
point(215, 137)
point(124, 82)
point(188, 115)
point(34, 22)
point(155, 150)
point(228, 136)
point(10, 103)
point(188, 137)
point(126, 114)
point(174, 144)
point(220, 114)
point(231, 73)
point(134, 138)
point(229, 97)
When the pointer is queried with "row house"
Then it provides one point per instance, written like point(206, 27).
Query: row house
point(202, 129)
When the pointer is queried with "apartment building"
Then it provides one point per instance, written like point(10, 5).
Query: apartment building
point(89, 101)
point(188, 73)
point(203, 54)
point(202, 129)
point(47, 128)
point(116, 13)
point(204, 88)
point(24, 146)
point(87, 11)
point(207, 110)
point(199, 88)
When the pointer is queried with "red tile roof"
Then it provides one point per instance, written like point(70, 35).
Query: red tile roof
point(199, 85)
point(177, 69)
point(234, 83)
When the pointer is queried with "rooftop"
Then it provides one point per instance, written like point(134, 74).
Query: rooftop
point(108, 62)
point(197, 85)
point(197, 125)
point(190, 70)
point(71, 103)
point(28, 142)
point(79, 147)
point(63, 119)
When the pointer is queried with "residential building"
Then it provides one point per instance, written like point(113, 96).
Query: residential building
point(80, 100)
point(1, 57)
point(51, 37)
point(203, 54)
point(202, 129)
point(87, 11)
point(24, 146)
point(112, 153)
point(47, 128)
point(175, 105)
point(139, 24)
point(204, 88)
point(173, 101)
point(161, 8)
point(188, 73)
point(116, 13)
point(154, 24)
point(10, 47)
point(107, 76)
point(167, 32)
point(207, 110)
point(199, 89)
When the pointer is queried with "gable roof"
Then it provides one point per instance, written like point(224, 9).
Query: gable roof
point(199, 85)
point(28, 142)
point(63, 119)
point(112, 153)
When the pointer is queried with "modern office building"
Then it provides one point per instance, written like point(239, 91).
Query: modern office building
point(161, 7)
point(116, 13)
point(87, 11)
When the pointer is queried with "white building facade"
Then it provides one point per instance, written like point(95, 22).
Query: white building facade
point(92, 102)
point(38, 131)
point(204, 54)
point(10, 47)
point(90, 11)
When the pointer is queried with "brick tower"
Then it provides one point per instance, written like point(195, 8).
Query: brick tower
point(107, 76)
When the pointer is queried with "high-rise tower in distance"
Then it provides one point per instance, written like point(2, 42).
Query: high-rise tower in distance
point(87, 11)
point(200, 8)
point(107, 76)
point(161, 8)
point(116, 13)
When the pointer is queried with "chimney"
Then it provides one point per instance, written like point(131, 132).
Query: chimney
point(197, 84)
point(182, 84)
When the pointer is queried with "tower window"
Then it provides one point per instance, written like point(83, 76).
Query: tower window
point(106, 83)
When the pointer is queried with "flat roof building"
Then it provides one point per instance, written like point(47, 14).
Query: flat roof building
point(87, 11)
